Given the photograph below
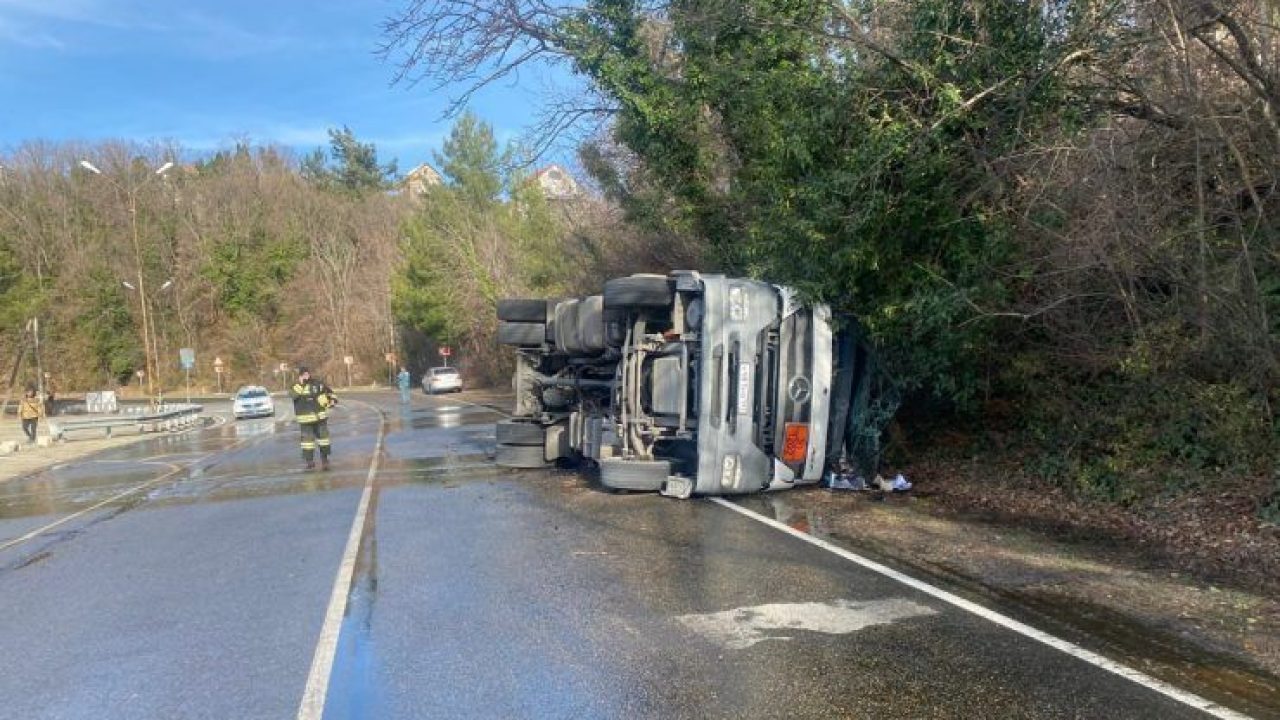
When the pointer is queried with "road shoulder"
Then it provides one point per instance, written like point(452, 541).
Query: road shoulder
point(31, 459)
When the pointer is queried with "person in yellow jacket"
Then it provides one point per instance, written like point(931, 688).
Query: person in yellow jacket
point(311, 402)
point(30, 409)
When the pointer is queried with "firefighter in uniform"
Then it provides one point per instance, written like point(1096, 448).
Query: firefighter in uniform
point(311, 402)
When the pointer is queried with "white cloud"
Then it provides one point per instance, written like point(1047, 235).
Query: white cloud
point(17, 34)
point(39, 23)
point(419, 143)
point(84, 12)
point(298, 136)
point(218, 38)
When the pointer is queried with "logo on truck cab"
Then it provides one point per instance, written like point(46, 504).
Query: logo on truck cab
point(799, 390)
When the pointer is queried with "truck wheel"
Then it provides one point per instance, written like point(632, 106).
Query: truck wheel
point(520, 456)
point(568, 335)
point(523, 311)
point(591, 329)
point(522, 334)
point(520, 433)
point(642, 475)
point(639, 291)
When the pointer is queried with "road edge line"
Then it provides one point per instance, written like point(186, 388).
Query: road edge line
point(12, 543)
point(317, 689)
point(174, 470)
point(1173, 692)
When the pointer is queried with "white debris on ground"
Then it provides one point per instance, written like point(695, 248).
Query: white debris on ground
point(743, 627)
point(849, 481)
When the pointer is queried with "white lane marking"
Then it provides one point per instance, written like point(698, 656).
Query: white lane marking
point(1164, 688)
point(174, 470)
point(743, 627)
point(313, 697)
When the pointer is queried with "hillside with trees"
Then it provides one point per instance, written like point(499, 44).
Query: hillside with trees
point(1057, 220)
point(258, 257)
point(245, 254)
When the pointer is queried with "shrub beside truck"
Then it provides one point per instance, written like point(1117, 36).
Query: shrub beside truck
point(689, 384)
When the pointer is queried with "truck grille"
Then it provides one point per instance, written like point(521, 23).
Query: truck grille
point(766, 391)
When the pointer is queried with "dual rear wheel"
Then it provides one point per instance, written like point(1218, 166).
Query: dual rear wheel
point(582, 327)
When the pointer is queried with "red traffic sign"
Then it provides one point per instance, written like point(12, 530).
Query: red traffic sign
point(445, 351)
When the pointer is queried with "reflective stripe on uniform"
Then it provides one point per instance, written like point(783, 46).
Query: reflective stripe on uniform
point(308, 418)
point(308, 445)
point(323, 442)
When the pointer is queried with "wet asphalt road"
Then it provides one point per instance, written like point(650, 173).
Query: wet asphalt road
point(189, 576)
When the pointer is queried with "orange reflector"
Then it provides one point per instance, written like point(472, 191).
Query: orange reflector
point(795, 443)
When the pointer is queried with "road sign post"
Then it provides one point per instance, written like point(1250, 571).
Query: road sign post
point(445, 352)
point(187, 356)
point(348, 361)
point(218, 370)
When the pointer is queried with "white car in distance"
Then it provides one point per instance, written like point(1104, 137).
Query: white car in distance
point(252, 401)
point(441, 379)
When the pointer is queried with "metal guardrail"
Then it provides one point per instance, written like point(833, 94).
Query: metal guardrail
point(163, 418)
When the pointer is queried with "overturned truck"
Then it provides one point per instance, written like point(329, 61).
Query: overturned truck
point(689, 384)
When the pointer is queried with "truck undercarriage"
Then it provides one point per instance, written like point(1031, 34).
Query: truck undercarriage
point(691, 384)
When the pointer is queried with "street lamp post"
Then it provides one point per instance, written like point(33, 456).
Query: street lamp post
point(131, 193)
point(150, 329)
point(155, 334)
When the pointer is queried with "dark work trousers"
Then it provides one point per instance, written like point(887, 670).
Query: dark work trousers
point(315, 435)
point(29, 427)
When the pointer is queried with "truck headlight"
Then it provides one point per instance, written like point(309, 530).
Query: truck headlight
point(737, 304)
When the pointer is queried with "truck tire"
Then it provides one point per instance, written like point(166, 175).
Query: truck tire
point(639, 291)
point(591, 330)
point(568, 339)
point(522, 334)
point(523, 311)
point(520, 433)
point(641, 475)
point(520, 456)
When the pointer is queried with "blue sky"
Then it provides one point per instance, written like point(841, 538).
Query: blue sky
point(209, 72)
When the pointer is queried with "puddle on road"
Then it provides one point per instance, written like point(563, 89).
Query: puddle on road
point(1216, 676)
point(448, 444)
point(353, 690)
point(430, 443)
point(72, 490)
point(1140, 645)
